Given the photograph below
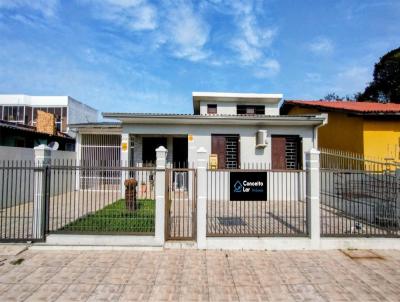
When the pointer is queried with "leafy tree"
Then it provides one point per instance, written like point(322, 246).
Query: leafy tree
point(385, 86)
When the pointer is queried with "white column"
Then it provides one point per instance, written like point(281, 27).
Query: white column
point(313, 196)
point(42, 159)
point(124, 160)
point(201, 198)
point(161, 156)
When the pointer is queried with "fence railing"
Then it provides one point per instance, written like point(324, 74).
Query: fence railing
point(17, 190)
point(343, 160)
point(282, 213)
point(55, 196)
point(359, 197)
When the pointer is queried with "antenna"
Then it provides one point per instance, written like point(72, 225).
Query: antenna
point(54, 146)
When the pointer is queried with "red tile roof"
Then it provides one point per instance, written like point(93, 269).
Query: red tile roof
point(359, 107)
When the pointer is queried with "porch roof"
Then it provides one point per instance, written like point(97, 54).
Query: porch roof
point(191, 119)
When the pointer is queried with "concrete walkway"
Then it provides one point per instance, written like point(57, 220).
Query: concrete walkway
point(191, 275)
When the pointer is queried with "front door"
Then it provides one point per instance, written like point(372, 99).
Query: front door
point(180, 206)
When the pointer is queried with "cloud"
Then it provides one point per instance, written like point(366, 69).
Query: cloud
point(251, 39)
point(352, 79)
point(134, 15)
point(247, 53)
point(186, 31)
point(312, 77)
point(46, 8)
point(173, 25)
point(321, 46)
point(269, 68)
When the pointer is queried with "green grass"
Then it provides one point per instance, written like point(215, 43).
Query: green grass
point(116, 218)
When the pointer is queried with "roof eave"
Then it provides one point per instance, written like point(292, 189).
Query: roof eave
point(219, 120)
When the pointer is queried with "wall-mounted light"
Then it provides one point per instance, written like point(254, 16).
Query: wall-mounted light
point(261, 139)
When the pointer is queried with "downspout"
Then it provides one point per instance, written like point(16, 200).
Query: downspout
point(315, 136)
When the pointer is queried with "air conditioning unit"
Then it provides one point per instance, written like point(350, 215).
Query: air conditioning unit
point(261, 139)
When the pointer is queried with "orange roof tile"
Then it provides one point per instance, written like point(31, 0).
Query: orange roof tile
point(361, 107)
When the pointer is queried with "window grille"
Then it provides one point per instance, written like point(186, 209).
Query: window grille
point(231, 152)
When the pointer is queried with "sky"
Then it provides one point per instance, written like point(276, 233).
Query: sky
point(149, 56)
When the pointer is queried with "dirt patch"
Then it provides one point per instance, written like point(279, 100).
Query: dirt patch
point(361, 254)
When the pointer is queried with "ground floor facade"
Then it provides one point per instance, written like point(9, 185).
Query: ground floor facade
point(283, 147)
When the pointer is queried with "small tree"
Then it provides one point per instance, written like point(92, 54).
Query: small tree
point(333, 96)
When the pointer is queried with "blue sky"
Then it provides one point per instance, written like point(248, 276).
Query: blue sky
point(148, 56)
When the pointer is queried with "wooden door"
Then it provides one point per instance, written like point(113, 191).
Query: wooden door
point(278, 157)
point(218, 143)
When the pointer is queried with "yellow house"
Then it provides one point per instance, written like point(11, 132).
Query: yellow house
point(367, 128)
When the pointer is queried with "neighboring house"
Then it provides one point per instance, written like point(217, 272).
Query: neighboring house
point(22, 109)
point(17, 135)
point(371, 129)
point(240, 129)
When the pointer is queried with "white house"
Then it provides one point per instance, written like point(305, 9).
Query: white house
point(22, 109)
point(240, 129)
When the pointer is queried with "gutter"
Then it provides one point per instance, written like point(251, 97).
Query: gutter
point(325, 116)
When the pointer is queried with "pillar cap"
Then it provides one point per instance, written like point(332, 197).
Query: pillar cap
point(42, 147)
point(161, 148)
point(315, 151)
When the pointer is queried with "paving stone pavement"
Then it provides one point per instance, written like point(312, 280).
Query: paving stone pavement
point(193, 275)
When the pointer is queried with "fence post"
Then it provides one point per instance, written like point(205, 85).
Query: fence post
point(313, 196)
point(397, 206)
point(124, 161)
point(42, 159)
point(201, 198)
point(78, 151)
point(161, 156)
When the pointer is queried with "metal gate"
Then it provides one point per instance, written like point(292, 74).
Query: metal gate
point(180, 209)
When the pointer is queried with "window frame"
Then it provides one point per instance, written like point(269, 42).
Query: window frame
point(212, 106)
point(275, 165)
point(246, 109)
point(224, 157)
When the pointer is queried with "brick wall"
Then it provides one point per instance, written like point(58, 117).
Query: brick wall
point(46, 122)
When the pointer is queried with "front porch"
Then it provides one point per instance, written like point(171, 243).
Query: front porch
point(142, 151)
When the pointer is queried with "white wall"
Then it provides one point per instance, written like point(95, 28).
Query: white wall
point(17, 184)
point(29, 100)
point(15, 153)
point(222, 107)
point(229, 108)
point(80, 113)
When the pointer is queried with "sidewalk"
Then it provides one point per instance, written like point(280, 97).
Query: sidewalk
point(192, 275)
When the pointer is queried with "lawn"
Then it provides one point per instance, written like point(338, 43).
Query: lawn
point(116, 218)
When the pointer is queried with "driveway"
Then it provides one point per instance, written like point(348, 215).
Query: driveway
point(192, 275)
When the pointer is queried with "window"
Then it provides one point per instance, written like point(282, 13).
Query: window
point(227, 149)
point(14, 114)
point(250, 109)
point(211, 109)
point(28, 115)
point(286, 152)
